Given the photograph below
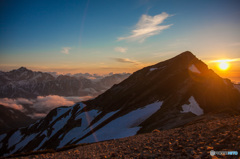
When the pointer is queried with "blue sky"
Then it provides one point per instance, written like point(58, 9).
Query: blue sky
point(69, 36)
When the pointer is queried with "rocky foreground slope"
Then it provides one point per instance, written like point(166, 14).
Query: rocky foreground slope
point(194, 140)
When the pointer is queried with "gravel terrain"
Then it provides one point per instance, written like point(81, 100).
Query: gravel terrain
point(194, 140)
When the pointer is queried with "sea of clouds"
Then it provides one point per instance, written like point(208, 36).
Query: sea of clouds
point(42, 105)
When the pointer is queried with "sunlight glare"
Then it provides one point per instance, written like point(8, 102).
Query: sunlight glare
point(223, 65)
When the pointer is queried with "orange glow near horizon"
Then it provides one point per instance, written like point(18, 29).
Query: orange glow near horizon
point(226, 68)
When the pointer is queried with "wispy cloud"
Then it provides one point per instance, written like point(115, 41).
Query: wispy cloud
point(120, 49)
point(147, 26)
point(225, 60)
point(65, 50)
point(126, 60)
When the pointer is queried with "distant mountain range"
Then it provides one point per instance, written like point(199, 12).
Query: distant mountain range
point(29, 84)
point(17, 86)
point(166, 95)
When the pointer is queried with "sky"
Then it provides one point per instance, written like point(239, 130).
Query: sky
point(93, 36)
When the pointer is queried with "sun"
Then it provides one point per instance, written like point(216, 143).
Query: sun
point(223, 65)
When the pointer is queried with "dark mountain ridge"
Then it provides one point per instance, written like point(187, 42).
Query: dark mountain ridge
point(166, 79)
point(173, 82)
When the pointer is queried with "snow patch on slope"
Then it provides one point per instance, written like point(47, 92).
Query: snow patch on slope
point(60, 111)
point(39, 75)
point(194, 69)
point(152, 69)
point(23, 82)
point(89, 116)
point(23, 142)
point(104, 118)
point(43, 141)
point(15, 138)
point(82, 105)
point(59, 125)
point(124, 126)
point(2, 137)
point(192, 107)
point(78, 132)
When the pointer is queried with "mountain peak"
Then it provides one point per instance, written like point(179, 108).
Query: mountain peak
point(186, 55)
point(180, 61)
point(23, 69)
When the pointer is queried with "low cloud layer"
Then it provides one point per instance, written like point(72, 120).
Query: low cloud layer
point(12, 103)
point(147, 26)
point(37, 115)
point(23, 101)
point(42, 105)
point(47, 103)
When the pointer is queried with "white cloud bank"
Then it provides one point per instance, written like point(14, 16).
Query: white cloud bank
point(65, 50)
point(12, 103)
point(120, 49)
point(47, 103)
point(147, 26)
point(42, 105)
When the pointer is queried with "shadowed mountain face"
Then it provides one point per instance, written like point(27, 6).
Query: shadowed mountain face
point(29, 84)
point(162, 96)
point(11, 119)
